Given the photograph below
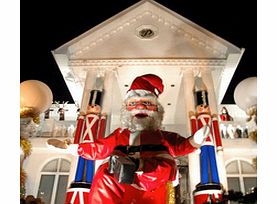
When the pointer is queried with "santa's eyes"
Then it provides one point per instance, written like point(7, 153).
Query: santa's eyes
point(132, 103)
point(145, 103)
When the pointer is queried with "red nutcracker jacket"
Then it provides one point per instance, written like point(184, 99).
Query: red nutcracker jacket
point(206, 119)
point(89, 128)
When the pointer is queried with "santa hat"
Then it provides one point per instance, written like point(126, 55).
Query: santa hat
point(148, 84)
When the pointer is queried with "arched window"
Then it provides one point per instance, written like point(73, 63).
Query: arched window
point(241, 176)
point(53, 181)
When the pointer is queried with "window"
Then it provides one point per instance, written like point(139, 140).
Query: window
point(241, 176)
point(53, 181)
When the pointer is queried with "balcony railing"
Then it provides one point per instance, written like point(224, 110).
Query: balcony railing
point(234, 129)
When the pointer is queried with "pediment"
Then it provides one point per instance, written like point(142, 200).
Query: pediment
point(141, 39)
point(147, 30)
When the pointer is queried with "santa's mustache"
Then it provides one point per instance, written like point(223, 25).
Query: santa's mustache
point(136, 112)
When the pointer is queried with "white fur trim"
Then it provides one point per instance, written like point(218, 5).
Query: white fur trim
point(193, 143)
point(209, 192)
point(134, 138)
point(139, 93)
point(86, 190)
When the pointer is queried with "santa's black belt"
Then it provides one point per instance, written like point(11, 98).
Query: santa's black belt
point(140, 148)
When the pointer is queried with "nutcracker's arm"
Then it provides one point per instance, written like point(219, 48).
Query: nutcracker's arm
point(193, 122)
point(102, 126)
point(216, 132)
point(79, 129)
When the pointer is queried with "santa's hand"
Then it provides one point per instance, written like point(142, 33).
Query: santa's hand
point(56, 144)
point(191, 113)
point(219, 149)
point(62, 146)
point(200, 136)
point(72, 149)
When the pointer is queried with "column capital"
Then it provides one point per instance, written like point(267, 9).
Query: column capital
point(205, 69)
point(187, 70)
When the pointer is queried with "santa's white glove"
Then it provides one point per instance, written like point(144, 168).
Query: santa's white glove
point(72, 149)
point(200, 136)
point(62, 146)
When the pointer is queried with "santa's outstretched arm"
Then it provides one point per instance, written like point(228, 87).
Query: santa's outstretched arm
point(99, 149)
point(179, 146)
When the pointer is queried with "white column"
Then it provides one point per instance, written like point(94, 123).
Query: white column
point(188, 83)
point(208, 80)
point(194, 163)
point(107, 101)
point(222, 169)
point(73, 166)
point(89, 84)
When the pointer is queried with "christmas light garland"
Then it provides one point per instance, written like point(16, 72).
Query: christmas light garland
point(26, 146)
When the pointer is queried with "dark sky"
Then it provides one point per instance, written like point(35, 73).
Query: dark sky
point(46, 25)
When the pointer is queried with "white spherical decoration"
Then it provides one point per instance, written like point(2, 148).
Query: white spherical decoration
point(245, 94)
point(35, 94)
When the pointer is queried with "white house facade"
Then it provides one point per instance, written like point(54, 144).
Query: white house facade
point(145, 38)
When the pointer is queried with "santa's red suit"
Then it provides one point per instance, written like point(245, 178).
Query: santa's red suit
point(158, 166)
point(141, 155)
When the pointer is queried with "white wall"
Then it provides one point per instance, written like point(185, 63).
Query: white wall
point(40, 156)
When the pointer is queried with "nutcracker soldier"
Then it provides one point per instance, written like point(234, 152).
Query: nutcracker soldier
point(90, 126)
point(209, 189)
point(91, 130)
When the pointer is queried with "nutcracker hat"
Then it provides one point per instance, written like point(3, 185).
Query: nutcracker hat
point(95, 97)
point(96, 93)
point(148, 84)
point(200, 92)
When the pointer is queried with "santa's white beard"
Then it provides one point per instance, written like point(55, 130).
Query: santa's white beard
point(152, 122)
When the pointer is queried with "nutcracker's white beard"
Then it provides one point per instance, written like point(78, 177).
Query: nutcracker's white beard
point(152, 122)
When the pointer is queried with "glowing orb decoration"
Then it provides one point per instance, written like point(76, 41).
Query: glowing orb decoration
point(35, 95)
point(245, 94)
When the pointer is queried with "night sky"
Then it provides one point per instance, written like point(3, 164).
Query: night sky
point(46, 25)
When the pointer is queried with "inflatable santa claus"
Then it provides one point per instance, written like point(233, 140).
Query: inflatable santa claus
point(141, 155)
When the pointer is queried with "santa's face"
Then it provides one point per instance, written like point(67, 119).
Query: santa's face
point(141, 113)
